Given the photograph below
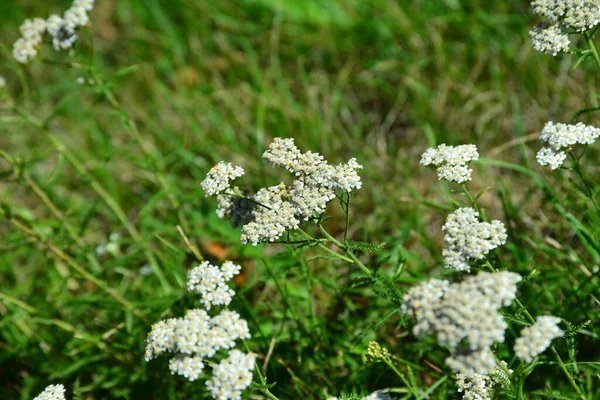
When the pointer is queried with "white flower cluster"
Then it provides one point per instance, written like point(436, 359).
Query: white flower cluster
point(219, 178)
point(476, 386)
point(52, 392)
point(535, 339)
point(210, 282)
point(464, 312)
point(2, 82)
point(231, 376)
point(273, 210)
point(577, 15)
point(271, 217)
point(560, 137)
point(198, 336)
point(61, 29)
point(467, 238)
point(451, 161)
point(549, 39)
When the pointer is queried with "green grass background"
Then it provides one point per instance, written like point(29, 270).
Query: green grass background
point(379, 80)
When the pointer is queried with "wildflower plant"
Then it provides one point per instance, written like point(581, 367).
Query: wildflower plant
point(198, 337)
point(275, 210)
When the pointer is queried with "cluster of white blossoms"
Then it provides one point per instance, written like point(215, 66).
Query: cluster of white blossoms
point(231, 376)
point(474, 386)
point(549, 39)
point(535, 339)
point(2, 82)
point(467, 238)
point(52, 392)
point(273, 210)
point(198, 335)
point(210, 282)
point(61, 29)
point(195, 337)
point(462, 312)
point(451, 162)
point(560, 138)
point(219, 178)
point(562, 16)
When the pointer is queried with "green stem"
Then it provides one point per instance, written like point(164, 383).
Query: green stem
point(401, 376)
point(347, 213)
point(471, 199)
point(327, 249)
point(345, 249)
point(567, 373)
point(592, 46)
point(588, 192)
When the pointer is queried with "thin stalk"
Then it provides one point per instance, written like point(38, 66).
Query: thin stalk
point(345, 249)
point(401, 376)
point(589, 193)
point(347, 214)
point(327, 249)
point(592, 46)
point(471, 199)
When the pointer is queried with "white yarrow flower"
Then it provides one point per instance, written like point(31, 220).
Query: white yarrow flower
point(451, 162)
point(274, 210)
point(219, 178)
point(464, 312)
point(60, 28)
point(535, 339)
point(549, 40)
point(560, 138)
point(211, 283)
point(231, 376)
point(189, 367)
point(548, 157)
point(52, 392)
point(467, 238)
point(474, 386)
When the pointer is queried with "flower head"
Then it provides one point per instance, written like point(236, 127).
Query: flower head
point(451, 161)
point(219, 178)
point(61, 29)
point(563, 16)
point(549, 39)
point(231, 376)
point(211, 283)
point(376, 352)
point(464, 312)
point(467, 238)
point(268, 214)
point(272, 217)
point(560, 138)
point(52, 392)
point(535, 339)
